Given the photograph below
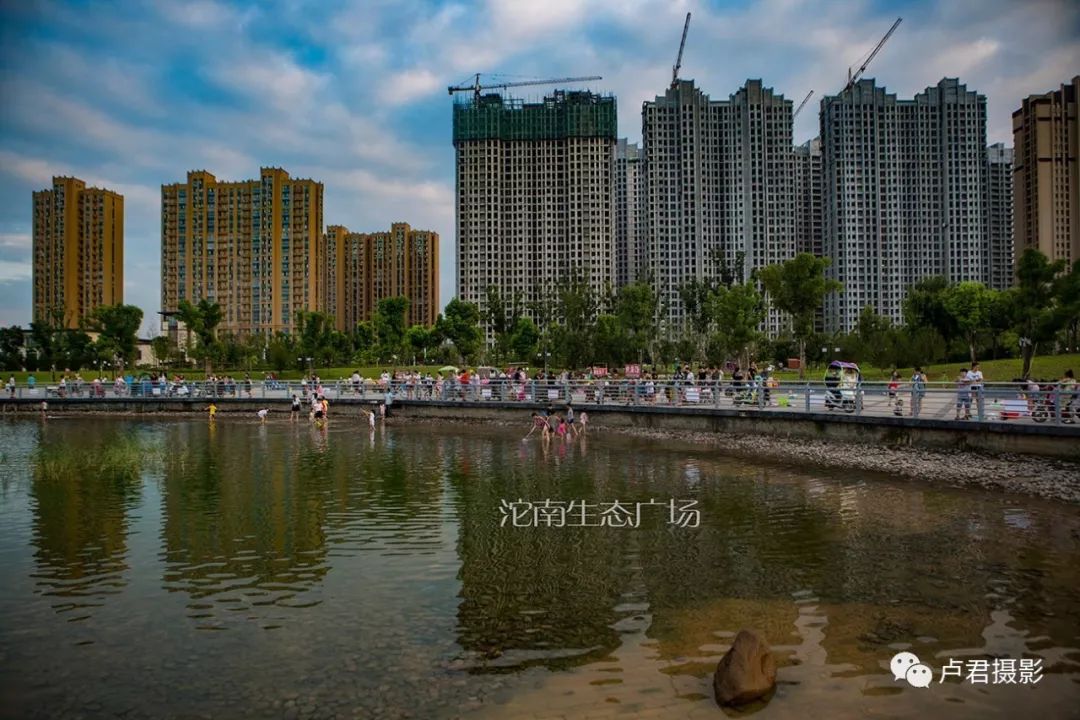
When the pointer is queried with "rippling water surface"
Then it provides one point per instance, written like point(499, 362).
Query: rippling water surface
point(176, 569)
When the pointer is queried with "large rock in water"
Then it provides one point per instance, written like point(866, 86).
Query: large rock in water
point(746, 672)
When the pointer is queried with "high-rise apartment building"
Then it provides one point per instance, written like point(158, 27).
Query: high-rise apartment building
point(904, 188)
point(719, 184)
point(999, 216)
point(364, 268)
point(534, 195)
point(809, 208)
point(631, 250)
point(78, 247)
point(255, 247)
point(1046, 139)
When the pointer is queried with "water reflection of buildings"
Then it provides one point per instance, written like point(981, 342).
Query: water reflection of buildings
point(535, 596)
point(251, 525)
point(243, 520)
point(81, 515)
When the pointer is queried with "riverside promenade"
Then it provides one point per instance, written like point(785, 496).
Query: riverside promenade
point(1003, 419)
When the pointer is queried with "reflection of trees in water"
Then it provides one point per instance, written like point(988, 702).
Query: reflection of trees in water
point(83, 485)
point(243, 520)
point(528, 594)
point(881, 563)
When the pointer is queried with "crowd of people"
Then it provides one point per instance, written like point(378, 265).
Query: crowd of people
point(749, 385)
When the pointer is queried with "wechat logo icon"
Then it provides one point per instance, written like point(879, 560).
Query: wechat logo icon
point(906, 666)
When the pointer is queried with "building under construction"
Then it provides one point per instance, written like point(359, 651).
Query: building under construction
point(534, 194)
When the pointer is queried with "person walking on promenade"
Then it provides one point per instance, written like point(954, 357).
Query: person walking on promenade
point(963, 394)
point(918, 389)
point(11, 387)
point(975, 384)
point(1068, 397)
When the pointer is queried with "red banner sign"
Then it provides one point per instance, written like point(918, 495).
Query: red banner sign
point(633, 371)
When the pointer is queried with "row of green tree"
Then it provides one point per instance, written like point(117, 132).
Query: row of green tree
point(107, 338)
point(573, 326)
point(723, 320)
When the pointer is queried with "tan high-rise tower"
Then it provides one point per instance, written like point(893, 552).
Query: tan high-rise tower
point(78, 251)
point(255, 247)
point(364, 268)
point(1046, 175)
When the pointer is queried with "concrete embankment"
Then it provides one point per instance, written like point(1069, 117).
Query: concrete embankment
point(1051, 441)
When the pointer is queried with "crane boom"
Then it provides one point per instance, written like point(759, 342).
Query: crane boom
point(476, 87)
point(678, 58)
point(854, 78)
point(802, 105)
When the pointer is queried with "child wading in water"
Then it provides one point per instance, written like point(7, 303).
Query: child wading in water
point(295, 407)
point(262, 414)
point(538, 423)
point(212, 410)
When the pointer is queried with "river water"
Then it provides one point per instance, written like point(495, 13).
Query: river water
point(176, 568)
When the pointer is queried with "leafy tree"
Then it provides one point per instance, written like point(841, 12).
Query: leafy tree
point(1067, 290)
point(420, 339)
point(696, 297)
point(202, 319)
point(609, 343)
point(501, 315)
point(390, 322)
point(637, 307)
point(281, 351)
point(924, 307)
point(524, 339)
point(1035, 318)
point(364, 341)
point(578, 307)
point(969, 304)
point(11, 343)
point(314, 337)
point(739, 311)
point(460, 324)
point(798, 287)
point(164, 349)
point(117, 327)
point(877, 339)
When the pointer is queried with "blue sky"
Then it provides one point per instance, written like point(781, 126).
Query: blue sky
point(130, 95)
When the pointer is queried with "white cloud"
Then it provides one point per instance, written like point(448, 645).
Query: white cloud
point(15, 241)
point(14, 271)
point(360, 108)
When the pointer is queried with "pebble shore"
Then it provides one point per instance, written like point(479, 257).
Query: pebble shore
point(1023, 474)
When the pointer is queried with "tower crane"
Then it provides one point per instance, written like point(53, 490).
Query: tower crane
point(476, 87)
point(802, 105)
point(854, 77)
point(678, 58)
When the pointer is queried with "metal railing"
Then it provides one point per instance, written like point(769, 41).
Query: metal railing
point(991, 402)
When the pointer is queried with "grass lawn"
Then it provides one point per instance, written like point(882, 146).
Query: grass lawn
point(1043, 367)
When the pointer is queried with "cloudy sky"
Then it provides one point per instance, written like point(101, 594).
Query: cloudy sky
point(130, 95)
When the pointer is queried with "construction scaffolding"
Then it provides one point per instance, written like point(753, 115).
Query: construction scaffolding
point(563, 114)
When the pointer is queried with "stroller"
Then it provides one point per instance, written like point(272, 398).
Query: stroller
point(841, 382)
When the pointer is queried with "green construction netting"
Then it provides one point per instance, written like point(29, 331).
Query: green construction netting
point(562, 115)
